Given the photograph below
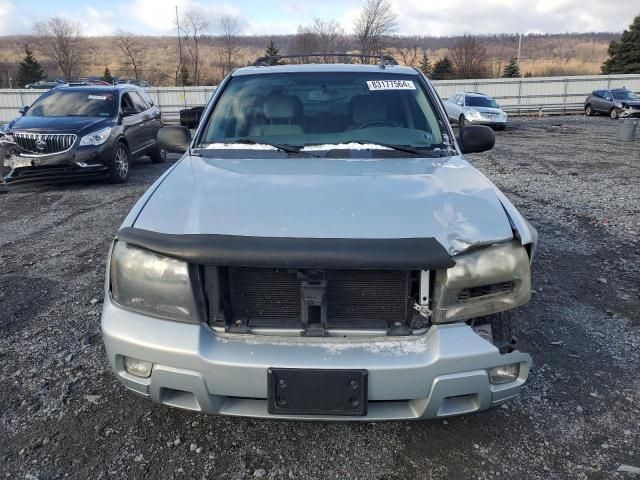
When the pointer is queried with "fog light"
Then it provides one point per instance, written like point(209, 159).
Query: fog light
point(504, 373)
point(136, 367)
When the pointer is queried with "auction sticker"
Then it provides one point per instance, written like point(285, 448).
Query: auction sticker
point(390, 85)
point(97, 97)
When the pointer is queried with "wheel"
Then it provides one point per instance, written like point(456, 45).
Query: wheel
point(461, 121)
point(588, 111)
point(119, 167)
point(158, 155)
point(614, 114)
point(502, 329)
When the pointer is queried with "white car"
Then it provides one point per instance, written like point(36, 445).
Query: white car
point(475, 108)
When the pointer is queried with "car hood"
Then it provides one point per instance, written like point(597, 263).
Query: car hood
point(630, 103)
point(58, 124)
point(446, 199)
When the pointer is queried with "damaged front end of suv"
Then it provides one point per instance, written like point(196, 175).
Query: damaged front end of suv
point(322, 251)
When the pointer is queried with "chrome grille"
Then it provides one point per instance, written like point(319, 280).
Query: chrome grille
point(44, 143)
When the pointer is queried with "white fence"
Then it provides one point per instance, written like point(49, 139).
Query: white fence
point(516, 95)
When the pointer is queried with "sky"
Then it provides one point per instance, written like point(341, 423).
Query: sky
point(421, 17)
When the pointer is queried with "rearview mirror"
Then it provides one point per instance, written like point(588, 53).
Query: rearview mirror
point(174, 138)
point(476, 138)
point(23, 110)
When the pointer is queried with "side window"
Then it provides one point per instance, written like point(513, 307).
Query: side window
point(597, 93)
point(146, 98)
point(125, 102)
point(138, 102)
point(607, 96)
point(454, 99)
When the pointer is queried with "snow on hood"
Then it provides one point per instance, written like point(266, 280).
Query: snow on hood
point(444, 198)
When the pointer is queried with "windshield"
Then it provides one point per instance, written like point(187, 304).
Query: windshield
point(78, 103)
point(624, 95)
point(486, 102)
point(299, 109)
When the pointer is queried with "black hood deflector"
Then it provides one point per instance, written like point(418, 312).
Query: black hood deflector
point(283, 252)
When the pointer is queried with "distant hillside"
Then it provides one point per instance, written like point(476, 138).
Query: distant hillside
point(542, 55)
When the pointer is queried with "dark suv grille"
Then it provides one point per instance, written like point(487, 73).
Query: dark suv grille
point(44, 144)
point(354, 298)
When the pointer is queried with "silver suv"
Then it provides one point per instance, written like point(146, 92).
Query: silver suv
point(322, 250)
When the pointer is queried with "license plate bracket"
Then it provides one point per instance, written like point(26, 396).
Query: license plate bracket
point(317, 391)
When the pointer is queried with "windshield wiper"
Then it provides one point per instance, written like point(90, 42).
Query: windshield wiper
point(294, 150)
point(400, 148)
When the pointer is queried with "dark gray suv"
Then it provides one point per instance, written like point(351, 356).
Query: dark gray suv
point(616, 103)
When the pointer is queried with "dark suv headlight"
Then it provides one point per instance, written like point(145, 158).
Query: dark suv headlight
point(484, 281)
point(152, 284)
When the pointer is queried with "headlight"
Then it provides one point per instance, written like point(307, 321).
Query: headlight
point(96, 138)
point(152, 284)
point(484, 281)
point(473, 114)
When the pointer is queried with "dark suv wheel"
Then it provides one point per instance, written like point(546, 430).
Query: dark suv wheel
point(158, 155)
point(119, 165)
point(614, 114)
point(588, 111)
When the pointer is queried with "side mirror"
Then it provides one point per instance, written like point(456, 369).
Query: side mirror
point(174, 138)
point(129, 111)
point(23, 110)
point(476, 138)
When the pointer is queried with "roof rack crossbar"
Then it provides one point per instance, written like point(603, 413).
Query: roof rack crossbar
point(266, 60)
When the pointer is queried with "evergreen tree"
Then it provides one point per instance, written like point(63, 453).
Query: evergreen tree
point(183, 77)
point(511, 70)
point(442, 70)
point(29, 70)
point(425, 65)
point(106, 76)
point(624, 56)
point(273, 51)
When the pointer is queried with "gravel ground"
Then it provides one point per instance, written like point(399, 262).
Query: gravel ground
point(63, 414)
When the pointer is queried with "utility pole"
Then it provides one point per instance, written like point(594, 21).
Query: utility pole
point(180, 65)
point(519, 48)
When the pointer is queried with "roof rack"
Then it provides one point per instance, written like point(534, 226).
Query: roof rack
point(266, 61)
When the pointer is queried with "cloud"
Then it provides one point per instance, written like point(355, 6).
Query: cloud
point(455, 17)
point(97, 22)
point(159, 16)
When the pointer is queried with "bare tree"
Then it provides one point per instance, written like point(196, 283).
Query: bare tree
point(228, 53)
point(375, 21)
point(60, 39)
point(469, 58)
point(319, 36)
point(193, 26)
point(408, 51)
point(130, 48)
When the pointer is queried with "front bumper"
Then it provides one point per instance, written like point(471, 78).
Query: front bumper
point(78, 163)
point(489, 122)
point(439, 374)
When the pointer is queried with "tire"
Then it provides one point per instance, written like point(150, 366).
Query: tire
point(502, 329)
point(119, 165)
point(613, 114)
point(588, 111)
point(461, 122)
point(158, 155)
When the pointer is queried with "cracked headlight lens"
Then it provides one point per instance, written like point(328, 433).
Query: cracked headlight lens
point(152, 284)
point(482, 282)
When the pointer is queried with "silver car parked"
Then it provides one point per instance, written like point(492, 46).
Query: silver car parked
point(475, 108)
point(323, 251)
